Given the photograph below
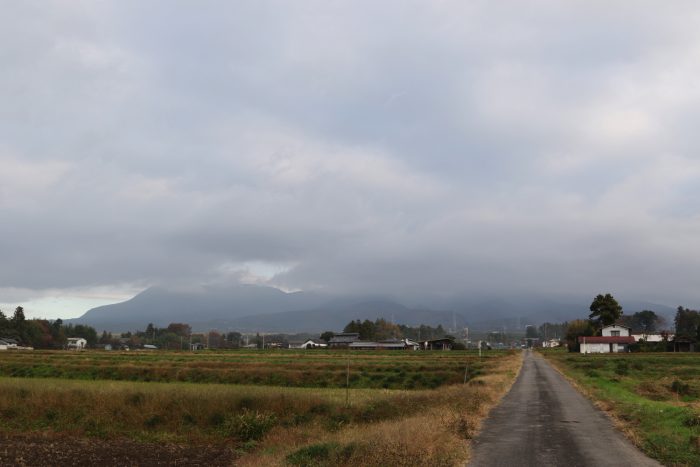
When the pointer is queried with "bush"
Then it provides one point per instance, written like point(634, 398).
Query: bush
point(692, 420)
point(153, 421)
point(322, 454)
point(337, 421)
point(680, 388)
point(622, 368)
point(248, 425)
point(463, 426)
point(314, 454)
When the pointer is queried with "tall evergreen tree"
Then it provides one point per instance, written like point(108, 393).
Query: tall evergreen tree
point(604, 311)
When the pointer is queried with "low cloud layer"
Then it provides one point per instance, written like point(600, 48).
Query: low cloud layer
point(409, 148)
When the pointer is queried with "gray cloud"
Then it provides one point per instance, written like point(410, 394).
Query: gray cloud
point(405, 147)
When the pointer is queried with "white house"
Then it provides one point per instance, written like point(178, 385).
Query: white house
point(652, 337)
point(76, 343)
point(313, 344)
point(614, 339)
point(551, 343)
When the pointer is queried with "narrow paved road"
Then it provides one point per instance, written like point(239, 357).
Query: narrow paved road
point(544, 421)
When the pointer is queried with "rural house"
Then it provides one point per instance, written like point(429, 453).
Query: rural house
point(7, 343)
point(314, 344)
point(614, 339)
point(76, 343)
point(343, 340)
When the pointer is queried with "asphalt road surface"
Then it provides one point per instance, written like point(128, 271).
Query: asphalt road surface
point(544, 421)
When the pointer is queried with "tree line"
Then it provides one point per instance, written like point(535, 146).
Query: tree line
point(381, 329)
point(42, 333)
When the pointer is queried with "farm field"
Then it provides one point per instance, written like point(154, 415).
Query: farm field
point(654, 397)
point(283, 415)
point(316, 368)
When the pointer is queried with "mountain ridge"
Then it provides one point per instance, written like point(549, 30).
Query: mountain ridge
point(253, 308)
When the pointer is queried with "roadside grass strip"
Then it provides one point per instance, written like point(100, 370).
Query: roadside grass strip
point(654, 397)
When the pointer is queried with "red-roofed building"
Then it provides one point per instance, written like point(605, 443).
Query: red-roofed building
point(615, 339)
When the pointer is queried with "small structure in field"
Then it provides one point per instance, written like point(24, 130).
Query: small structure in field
point(614, 339)
point(551, 343)
point(444, 343)
point(76, 343)
point(683, 344)
point(197, 346)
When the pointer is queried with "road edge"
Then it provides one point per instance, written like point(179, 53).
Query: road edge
point(619, 424)
point(496, 403)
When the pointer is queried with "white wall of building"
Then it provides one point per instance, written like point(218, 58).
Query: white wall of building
point(608, 330)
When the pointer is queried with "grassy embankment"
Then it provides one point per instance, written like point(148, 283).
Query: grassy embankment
point(271, 425)
point(654, 398)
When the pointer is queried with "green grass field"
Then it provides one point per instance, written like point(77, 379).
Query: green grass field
point(655, 396)
point(272, 407)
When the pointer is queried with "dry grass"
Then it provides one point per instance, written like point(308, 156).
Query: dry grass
point(269, 425)
point(438, 435)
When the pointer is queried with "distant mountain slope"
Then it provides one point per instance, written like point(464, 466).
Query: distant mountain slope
point(208, 305)
point(250, 308)
point(335, 315)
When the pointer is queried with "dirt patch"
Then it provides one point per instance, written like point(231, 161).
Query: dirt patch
point(48, 449)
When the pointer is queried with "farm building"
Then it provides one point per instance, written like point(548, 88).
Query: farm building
point(437, 344)
point(551, 343)
point(343, 340)
point(313, 344)
point(683, 344)
point(653, 337)
point(405, 344)
point(76, 343)
point(614, 339)
point(7, 343)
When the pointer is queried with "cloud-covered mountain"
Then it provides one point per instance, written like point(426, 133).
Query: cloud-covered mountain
point(250, 308)
point(340, 146)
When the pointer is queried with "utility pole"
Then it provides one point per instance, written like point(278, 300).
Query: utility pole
point(347, 383)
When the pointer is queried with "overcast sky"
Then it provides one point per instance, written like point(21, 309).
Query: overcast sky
point(436, 147)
